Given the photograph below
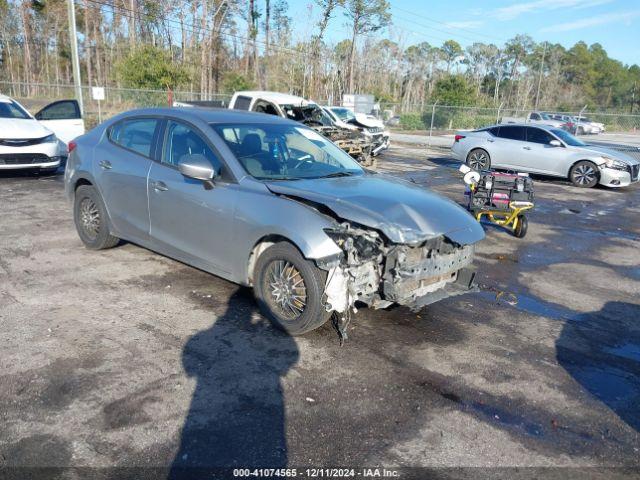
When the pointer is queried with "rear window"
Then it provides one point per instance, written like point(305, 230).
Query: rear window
point(242, 103)
point(136, 135)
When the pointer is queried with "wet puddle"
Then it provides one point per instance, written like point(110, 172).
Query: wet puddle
point(609, 385)
point(628, 350)
point(530, 304)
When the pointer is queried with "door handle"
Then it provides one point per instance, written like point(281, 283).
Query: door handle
point(490, 140)
point(105, 165)
point(527, 148)
point(159, 186)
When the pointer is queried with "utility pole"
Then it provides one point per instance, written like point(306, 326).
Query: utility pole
point(75, 62)
point(544, 51)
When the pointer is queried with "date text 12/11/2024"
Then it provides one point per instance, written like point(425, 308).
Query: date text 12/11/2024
point(316, 473)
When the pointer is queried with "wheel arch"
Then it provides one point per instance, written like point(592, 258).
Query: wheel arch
point(80, 182)
point(573, 164)
point(260, 246)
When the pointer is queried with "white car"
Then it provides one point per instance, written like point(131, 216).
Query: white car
point(37, 142)
point(547, 151)
point(368, 124)
point(596, 127)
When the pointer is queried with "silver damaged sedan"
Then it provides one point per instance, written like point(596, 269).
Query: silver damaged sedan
point(269, 203)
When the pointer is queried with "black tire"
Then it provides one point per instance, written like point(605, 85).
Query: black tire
point(580, 131)
point(584, 174)
point(313, 280)
point(479, 159)
point(90, 217)
point(521, 227)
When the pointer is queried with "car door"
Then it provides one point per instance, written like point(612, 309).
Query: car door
point(507, 147)
point(190, 221)
point(63, 118)
point(122, 160)
point(542, 157)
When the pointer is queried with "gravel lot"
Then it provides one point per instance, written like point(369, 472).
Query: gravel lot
point(126, 358)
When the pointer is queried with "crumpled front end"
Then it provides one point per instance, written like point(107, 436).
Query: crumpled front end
point(379, 273)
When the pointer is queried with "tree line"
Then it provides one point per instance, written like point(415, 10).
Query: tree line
point(219, 46)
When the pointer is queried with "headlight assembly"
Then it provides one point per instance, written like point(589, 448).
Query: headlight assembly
point(614, 164)
point(49, 138)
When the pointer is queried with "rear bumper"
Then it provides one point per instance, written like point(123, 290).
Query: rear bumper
point(456, 151)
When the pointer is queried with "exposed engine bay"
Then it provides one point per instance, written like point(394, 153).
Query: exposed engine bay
point(379, 274)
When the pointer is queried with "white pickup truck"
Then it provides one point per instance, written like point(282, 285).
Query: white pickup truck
point(540, 118)
point(351, 140)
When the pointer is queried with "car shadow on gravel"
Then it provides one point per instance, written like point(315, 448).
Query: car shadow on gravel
point(236, 418)
point(601, 351)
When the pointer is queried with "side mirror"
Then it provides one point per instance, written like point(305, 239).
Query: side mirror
point(555, 143)
point(196, 166)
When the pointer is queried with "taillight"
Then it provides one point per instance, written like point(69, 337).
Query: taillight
point(72, 146)
point(457, 138)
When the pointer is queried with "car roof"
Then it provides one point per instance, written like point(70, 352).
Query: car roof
point(210, 115)
point(276, 97)
point(5, 99)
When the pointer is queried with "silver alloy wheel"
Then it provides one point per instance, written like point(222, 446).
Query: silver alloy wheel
point(89, 217)
point(584, 174)
point(478, 160)
point(287, 292)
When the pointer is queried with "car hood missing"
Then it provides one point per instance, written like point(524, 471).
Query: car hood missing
point(403, 212)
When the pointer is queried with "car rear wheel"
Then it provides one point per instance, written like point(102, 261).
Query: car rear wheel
point(289, 289)
point(90, 217)
point(584, 174)
point(479, 159)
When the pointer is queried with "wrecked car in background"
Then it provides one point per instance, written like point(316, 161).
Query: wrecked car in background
point(351, 140)
point(269, 203)
point(367, 124)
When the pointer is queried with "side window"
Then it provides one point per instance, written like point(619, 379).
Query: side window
point(535, 116)
point(62, 110)
point(136, 135)
point(538, 135)
point(493, 131)
point(242, 103)
point(182, 140)
point(265, 107)
point(512, 133)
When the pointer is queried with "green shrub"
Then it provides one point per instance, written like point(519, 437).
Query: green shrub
point(412, 121)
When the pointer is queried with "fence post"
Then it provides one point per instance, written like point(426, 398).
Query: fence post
point(433, 113)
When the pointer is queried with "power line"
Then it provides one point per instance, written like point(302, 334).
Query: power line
point(476, 34)
point(194, 29)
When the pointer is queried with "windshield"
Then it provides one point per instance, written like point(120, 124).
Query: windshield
point(567, 138)
point(285, 152)
point(11, 109)
point(546, 116)
point(343, 113)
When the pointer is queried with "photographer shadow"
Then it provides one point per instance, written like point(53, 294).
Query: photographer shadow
point(236, 418)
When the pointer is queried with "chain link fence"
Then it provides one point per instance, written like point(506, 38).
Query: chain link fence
point(434, 118)
point(448, 118)
point(34, 96)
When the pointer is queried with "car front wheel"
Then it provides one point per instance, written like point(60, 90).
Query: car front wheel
point(584, 174)
point(290, 289)
point(90, 217)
